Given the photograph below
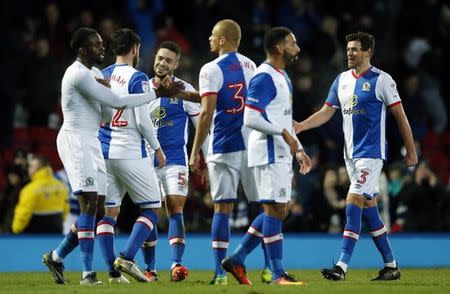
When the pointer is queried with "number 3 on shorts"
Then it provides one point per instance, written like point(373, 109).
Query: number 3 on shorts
point(363, 177)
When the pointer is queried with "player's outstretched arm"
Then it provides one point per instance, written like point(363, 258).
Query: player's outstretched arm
point(103, 95)
point(192, 96)
point(315, 120)
point(204, 124)
point(405, 131)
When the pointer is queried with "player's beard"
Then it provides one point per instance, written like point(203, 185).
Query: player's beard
point(290, 59)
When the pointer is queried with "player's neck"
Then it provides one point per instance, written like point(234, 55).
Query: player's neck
point(85, 62)
point(277, 63)
point(227, 49)
point(158, 79)
point(362, 68)
point(124, 60)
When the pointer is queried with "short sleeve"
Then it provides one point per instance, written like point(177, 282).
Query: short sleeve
point(139, 83)
point(333, 98)
point(210, 79)
point(388, 91)
point(261, 92)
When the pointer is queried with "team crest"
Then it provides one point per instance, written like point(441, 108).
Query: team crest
point(89, 181)
point(173, 100)
point(145, 86)
point(283, 192)
point(366, 87)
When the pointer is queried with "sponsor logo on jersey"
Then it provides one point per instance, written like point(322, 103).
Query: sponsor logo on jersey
point(350, 106)
point(158, 115)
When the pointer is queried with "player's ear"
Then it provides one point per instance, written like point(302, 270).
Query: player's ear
point(222, 40)
point(279, 49)
point(82, 51)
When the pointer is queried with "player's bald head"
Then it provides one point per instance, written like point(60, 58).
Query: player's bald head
point(230, 30)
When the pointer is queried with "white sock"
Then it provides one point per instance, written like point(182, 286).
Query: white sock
point(86, 273)
point(391, 264)
point(343, 266)
point(56, 257)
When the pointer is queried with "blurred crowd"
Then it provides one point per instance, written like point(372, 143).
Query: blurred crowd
point(35, 53)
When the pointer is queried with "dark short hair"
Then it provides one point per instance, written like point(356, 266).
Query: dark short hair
point(367, 40)
point(123, 40)
point(81, 37)
point(172, 46)
point(273, 37)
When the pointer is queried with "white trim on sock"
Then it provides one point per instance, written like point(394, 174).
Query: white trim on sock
point(56, 257)
point(391, 264)
point(342, 265)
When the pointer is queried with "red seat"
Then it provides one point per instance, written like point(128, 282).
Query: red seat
point(51, 153)
point(21, 138)
point(43, 137)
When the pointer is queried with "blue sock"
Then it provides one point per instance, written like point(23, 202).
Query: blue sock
point(379, 233)
point(69, 243)
point(148, 249)
point(105, 237)
point(273, 240)
point(176, 237)
point(141, 230)
point(351, 234)
point(250, 241)
point(86, 239)
point(220, 235)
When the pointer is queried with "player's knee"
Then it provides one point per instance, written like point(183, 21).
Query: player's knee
point(226, 208)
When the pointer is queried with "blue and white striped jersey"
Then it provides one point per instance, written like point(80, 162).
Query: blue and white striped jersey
point(363, 101)
point(170, 120)
point(270, 92)
point(227, 76)
point(120, 136)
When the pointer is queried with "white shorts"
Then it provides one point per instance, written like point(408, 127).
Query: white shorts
point(224, 175)
point(173, 180)
point(274, 182)
point(364, 174)
point(135, 176)
point(83, 161)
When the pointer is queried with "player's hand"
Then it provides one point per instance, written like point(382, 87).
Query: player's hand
point(411, 159)
point(169, 90)
point(290, 140)
point(205, 177)
point(304, 161)
point(194, 163)
point(296, 126)
point(161, 157)
point(103, 82)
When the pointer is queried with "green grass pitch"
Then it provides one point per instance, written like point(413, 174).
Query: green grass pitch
point(412, 281)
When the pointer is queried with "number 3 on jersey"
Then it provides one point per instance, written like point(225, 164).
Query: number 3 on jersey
point(237, 96)
point(116, 122)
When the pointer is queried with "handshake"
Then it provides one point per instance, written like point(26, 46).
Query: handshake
point(166, 88)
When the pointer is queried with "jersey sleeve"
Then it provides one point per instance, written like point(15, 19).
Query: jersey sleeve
point(139, 83)
point(388, 91)
point(333, 98)
point(210, 79)
point(260, 92)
